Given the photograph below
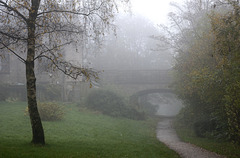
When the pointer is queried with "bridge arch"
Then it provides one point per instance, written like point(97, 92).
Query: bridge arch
point(148, 91)
point(134, 97)
point(165, 103)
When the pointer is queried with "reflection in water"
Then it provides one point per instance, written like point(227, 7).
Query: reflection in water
point(168, 104)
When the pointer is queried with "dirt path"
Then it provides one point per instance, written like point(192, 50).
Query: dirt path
point(167, 135)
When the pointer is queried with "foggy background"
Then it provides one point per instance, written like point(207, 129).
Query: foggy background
point(127, 58)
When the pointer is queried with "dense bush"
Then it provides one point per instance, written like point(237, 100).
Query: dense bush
point(132, 113)
point(204, 128)
point(105, 101)
point(49, 111)
point(111, 104)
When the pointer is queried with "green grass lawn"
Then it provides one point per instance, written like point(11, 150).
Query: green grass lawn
point(81, 134)
point(221, 147)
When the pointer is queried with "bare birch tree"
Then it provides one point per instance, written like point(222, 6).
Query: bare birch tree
point(37, 29)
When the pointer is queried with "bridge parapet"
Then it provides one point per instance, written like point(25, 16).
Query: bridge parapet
point(132, 81)
point(149, 91)
point(136, 76)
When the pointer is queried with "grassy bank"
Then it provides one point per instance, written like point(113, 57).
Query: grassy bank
point(81, 134)
point(221, 147)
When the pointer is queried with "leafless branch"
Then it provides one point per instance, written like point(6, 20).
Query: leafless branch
point(14, 10)
point(21, 59)
point(72, 71)
point(11, 35)
point(50, 49)
point(72, 12)
point(64, 11)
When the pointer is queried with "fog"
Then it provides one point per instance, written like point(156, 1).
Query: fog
point(168, 104)
point(131, 47)
point(127, 56)
point(98, 74)
point(131, 58)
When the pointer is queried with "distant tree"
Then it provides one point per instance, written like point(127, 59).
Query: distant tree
point(132, 48)
point(37, 29)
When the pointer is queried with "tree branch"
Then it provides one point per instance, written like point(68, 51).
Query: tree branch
point(72, 12)
point(72, 71)
point(21, 59)
point(13, 9)
point(12, 36)
point(64, 11)
point(50, 49)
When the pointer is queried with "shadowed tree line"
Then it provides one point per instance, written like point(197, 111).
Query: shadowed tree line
point(205, 36)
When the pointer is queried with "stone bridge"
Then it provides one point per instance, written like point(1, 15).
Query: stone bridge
point(138, 82)
point(141, 87)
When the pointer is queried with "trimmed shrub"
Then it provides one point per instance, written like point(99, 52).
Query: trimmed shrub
point(49, 111)
point(109, 103)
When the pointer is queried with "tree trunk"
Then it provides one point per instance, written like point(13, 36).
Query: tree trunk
point(37, 128)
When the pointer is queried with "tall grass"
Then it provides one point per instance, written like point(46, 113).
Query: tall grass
point(221, 147)
point(81, 134)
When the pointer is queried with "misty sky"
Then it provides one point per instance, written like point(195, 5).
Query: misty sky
point(155, 10)
point(135, 32)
